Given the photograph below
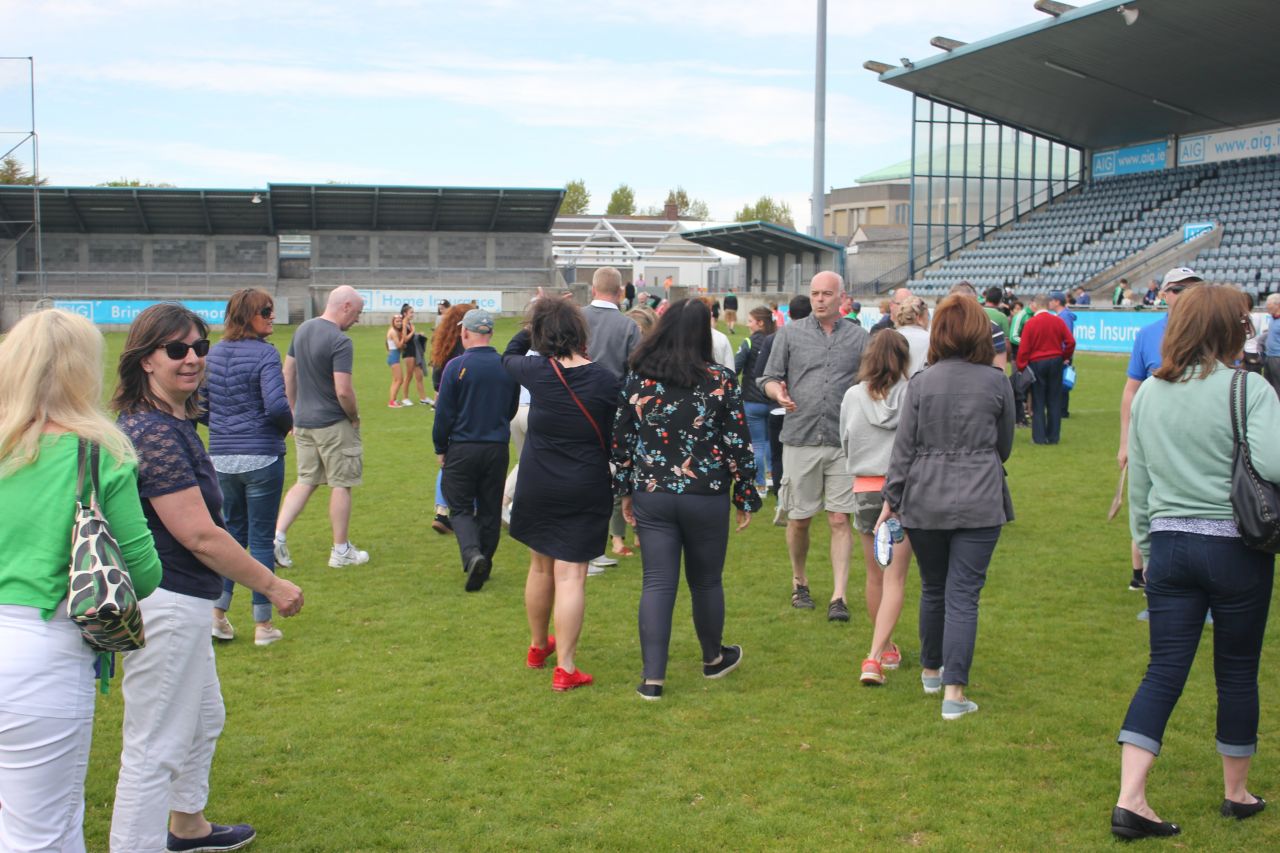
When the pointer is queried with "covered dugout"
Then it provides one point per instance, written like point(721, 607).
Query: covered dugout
point(774, 258)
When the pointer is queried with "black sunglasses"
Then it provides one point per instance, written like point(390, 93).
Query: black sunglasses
point(267, 312)
point(177, 350)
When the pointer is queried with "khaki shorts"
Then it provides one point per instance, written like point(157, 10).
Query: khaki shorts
point(866, 511)
point(814, 478)
point(730, 316)
point(329, 455)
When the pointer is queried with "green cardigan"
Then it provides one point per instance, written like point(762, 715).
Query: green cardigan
point(1180, 448)
point(37, 503)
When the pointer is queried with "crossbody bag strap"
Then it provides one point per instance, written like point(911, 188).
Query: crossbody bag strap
point(555, 365)
point(1239, 414)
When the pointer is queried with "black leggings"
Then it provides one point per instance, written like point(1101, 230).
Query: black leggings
point(669, 524)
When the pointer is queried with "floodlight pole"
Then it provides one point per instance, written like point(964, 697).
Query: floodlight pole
point(817, 202)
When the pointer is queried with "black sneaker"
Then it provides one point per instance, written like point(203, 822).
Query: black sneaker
point(800, 599)
point(651, 692)
point(442, 525)
point(1137, 583)
point(730, 657)
point(477, 572)
point(838, 611)
point(219, 838)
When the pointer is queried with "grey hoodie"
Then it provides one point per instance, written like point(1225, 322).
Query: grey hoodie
point(867, 428)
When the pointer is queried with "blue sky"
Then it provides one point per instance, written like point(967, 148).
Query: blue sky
point(714, 95)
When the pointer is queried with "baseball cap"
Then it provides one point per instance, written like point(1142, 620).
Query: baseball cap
point(855, 307)
point(1179, 274)
point(478, 321)
point(1058, 296)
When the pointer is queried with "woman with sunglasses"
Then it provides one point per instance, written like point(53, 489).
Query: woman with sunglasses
point(249, 417)
point(173, 711)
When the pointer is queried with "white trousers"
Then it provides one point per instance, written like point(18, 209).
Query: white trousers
point(46, 726)
point(173, 714)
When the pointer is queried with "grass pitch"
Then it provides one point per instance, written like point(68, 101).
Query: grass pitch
point(397, 714)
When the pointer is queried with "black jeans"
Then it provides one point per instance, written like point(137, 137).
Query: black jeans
point(1046, 401)
point(953, 570)
point(474, 474)
point(669, 525)
point(1189, 574)
point(775, 448)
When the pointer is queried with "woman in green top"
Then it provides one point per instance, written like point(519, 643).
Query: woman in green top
point(50, 388)
point(1180, 458)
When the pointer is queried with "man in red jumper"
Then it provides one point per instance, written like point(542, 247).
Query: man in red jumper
point(1047, 345)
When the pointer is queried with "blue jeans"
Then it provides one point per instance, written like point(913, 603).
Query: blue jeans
point(250, 503)
point(758, 424)
point(1189, 574)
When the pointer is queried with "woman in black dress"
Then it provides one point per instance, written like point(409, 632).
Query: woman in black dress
point(563, 496)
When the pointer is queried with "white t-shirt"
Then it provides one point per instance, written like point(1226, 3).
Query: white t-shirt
point(918, 340)
point(721, 349)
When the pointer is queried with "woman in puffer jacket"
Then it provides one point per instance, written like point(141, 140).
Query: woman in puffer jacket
point(249, 417)
point(868, 424)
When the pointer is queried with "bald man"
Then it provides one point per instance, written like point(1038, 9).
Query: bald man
point(326, 418)
point(811, 364)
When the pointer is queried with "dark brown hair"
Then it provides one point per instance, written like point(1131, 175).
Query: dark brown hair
point(678, 350)
point(557, 328)
point(765, 316)
point(153, 328)
point(242, 307)
point(961, 329)
point(448, 333)
point(1207, 325)
point(885, 361)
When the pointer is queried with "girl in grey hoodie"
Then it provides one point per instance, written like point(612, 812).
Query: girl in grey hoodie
point(868, 423)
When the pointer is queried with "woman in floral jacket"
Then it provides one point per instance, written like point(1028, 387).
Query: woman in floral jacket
point(680, 447)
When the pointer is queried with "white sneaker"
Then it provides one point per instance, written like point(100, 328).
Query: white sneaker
point(283, 558)
point(350, 557)
point(406, 402)
point(427, 401)
point(594, 570)
point(604, 561)
point(222, 629)
point(266, 636)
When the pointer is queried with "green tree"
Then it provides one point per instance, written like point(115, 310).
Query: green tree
point(576, 198)
point(687, 207)
point(767, 210)
point(13, 172)
point(132, 182)
point(622, 202)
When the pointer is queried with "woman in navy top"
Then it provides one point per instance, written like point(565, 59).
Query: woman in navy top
point(249, 417)
point(173, 711)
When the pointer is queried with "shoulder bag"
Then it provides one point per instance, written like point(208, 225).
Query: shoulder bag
point(100, 595)
point(1255, 503)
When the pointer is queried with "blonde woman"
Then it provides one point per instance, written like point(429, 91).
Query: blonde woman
point(395, 340)
point(911, 319)
point(50, 388)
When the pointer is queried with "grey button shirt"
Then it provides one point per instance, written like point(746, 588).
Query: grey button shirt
point(818, 368)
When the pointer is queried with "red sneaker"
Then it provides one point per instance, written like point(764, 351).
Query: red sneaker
point(891, 657)
point(872, 675)
point(537, 657)
point(562, 681)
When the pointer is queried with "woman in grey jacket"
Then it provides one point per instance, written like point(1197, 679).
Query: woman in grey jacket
point(946, 484)
point(868, 423)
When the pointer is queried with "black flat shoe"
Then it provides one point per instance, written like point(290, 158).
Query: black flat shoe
point(1130, 825)
point(1240, 811)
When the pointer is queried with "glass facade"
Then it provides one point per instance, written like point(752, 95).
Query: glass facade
point(971, 175)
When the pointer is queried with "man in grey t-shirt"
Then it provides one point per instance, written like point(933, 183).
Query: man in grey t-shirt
point(326, 419)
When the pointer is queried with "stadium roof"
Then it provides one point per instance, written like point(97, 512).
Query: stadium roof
point(279, 208)
point(758, 239)
point(1088, 79)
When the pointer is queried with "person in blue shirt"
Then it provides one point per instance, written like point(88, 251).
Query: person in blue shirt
point(1058, 305)
point(472, 434)
point(1144, 361)
point(1082, 297)
point(1272, 348)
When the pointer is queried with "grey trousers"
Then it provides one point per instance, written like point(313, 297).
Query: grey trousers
point(669, 525)
point(953, 569)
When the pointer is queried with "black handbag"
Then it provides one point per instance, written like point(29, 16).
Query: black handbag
point(1255, 502)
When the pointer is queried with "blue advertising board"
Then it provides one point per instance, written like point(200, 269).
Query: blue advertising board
point(1192, 230)
point(120, 312)
point(1131, 160)
point(1111, 331)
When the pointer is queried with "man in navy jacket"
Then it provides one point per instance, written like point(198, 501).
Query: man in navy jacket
point(472, 434)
